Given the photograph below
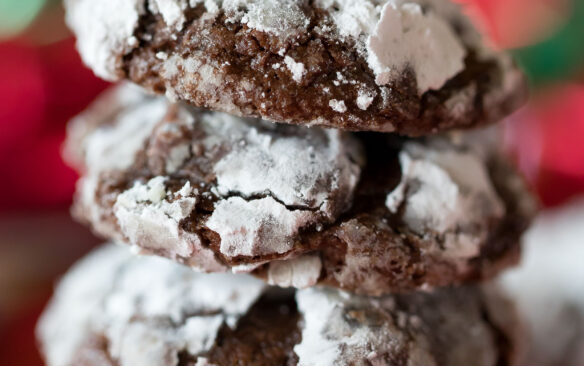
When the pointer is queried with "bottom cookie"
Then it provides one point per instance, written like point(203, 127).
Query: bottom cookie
point(116, 309)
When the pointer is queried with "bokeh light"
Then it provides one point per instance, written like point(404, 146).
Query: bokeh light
point(16, 15)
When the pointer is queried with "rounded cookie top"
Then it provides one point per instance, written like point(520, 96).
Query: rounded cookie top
point(366, 212)
point(170, 180)
point(114, 309)
point(414, 67)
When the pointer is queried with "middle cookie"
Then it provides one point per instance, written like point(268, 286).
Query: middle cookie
point(369, 213)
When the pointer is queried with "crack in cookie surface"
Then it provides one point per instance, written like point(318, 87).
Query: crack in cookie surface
point(248, 195)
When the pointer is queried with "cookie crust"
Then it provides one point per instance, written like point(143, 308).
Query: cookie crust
point(296, 62)
point(114, 320)
point(366, 221)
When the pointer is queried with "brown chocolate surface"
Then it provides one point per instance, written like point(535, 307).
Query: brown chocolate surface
point(368, 231)
point(151, 312)
point(455, 327)
point(234, 68)
point(266, 335)
point(362, 245)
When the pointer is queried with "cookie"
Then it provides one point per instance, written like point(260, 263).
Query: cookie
point(366, 212)
point(548, 287)
point(117, 309)
point(412, 67)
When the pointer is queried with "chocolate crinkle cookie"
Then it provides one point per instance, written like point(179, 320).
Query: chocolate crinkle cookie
point(116, 309)
point(297, 206)
point(408, 66)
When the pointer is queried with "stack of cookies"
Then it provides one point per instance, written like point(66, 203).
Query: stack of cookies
point(348, 226)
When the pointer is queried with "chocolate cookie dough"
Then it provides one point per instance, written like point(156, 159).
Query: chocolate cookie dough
point(413, 67)
point(366, 212)
point(115, 309)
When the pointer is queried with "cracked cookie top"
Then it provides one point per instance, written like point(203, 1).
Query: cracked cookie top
point(371, 213)
point(410, 66)
point(255, 184)
point(115, 309)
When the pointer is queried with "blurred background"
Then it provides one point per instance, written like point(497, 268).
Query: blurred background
point(43, 84)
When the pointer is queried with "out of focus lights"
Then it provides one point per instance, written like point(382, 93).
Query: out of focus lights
point(16, 15)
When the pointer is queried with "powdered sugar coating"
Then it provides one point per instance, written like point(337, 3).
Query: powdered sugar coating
point(95, 151)
point(110, 148)
point(446, 192)
point(298, 170)
point(417, 329)
point(296, 68)
point(256, 227)
point(280, 66)
point(299, 175)
point(244, 194)
point(152, 312)
point(268, 182)
point(338, 105)
point(394, 35)
point(144, 212)
point(172, 11)
point(149, 308)
point(150, 215)
point(406, 37)
point(283, 18)
point(105, 36)
point(364, 100)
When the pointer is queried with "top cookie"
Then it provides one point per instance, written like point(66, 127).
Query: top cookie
point(412, 67)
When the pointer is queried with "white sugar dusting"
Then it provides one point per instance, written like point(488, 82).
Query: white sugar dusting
point(396, 35)
point(296, 68)
point(337, 331)
point(345, 329)
point(278, 179)
point(447, 192)
point(256, 227)
point(353, 17)
point(364, 100)
point(317, 309)
point(105, 36)
point(299, 170)
point(150, 216)
point(406, 37)
point(283, 18)
point(144, 306)
point(338, 105)
point(393, 36)
point(178, 155)
point(110, 148)
point(304, 171)
point(172, 11)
